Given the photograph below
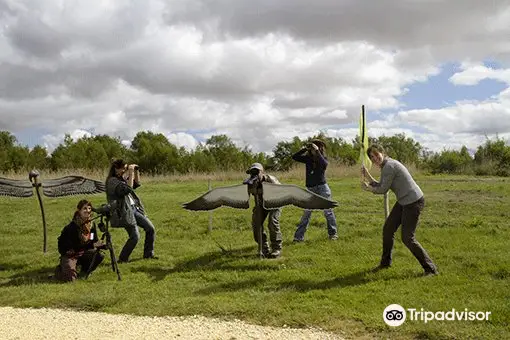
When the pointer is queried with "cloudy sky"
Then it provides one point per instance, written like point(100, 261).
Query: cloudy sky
point(259, 71)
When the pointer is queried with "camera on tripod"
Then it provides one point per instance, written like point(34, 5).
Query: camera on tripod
point(104, 211)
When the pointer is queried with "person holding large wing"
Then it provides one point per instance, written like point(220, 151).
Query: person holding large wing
point(260, 213)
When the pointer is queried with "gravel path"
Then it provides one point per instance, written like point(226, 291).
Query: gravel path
point(17, 323)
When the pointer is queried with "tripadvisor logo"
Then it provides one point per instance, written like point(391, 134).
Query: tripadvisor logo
point(394, 315)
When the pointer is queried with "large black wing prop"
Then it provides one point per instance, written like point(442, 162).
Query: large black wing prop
point(15, 188)
point(279, 195)
point(235, 196)
point(71, 185)
point(64, 186)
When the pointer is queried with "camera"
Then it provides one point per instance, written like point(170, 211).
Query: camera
point(103, 210)
point(251, 180)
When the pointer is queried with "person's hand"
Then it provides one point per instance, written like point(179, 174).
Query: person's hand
point(100, 245)
point(364, 171)
point(132, 167)
point(75, 254)
point(365, 186)
point(314, 147)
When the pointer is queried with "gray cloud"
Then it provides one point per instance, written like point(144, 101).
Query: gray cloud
point(46, 29)
point(35, 38)
point(402, 24)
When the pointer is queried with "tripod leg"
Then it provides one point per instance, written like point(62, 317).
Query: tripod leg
point(89, 270)
point(115, 265)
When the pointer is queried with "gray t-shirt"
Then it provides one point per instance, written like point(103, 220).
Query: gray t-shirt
point(396, 177)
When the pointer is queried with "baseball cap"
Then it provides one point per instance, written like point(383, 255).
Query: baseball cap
point(257, 166)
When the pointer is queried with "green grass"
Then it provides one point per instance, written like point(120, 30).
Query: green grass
point(465, 229)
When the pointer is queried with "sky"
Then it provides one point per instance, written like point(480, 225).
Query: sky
point(258, 71)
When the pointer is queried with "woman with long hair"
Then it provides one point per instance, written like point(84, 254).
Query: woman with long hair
point(129, 212)
point(77, 245)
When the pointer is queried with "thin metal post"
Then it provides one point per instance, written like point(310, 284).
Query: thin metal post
point(210, 211)
point(386, 206)
point(33, 176)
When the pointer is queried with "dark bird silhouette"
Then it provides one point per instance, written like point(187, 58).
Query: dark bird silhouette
point(58, 187)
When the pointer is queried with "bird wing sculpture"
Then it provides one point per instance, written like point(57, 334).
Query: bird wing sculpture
point(278, 195)
point(71, 185)
point(235, 196)
point(274, 196)
point(15, 188)
point(63, 186)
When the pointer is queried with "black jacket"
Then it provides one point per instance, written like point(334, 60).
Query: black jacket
point(70, 239)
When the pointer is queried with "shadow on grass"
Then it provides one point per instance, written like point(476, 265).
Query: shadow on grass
point(10, 266)
point(354, 279)
point(36, 276)
point(231, 260)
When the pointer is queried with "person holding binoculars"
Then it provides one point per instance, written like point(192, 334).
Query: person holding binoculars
point(313, 156)
point(129, 212)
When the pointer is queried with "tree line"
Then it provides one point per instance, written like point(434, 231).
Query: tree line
point(157, 156)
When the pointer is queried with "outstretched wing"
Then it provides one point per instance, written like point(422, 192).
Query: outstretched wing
point(235, 196)
point(71, 185)
point(279, 195)
point(15, 188)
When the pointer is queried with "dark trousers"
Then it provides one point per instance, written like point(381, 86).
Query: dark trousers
point(407, 216)
point(258, 217)
point(67, 269)
point(134, 235)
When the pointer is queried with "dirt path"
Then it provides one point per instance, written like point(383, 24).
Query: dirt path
point(17, 323)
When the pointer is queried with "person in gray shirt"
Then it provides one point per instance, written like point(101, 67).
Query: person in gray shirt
point(405, 212)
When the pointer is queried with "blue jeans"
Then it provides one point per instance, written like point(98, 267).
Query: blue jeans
point(134, 235)
point(324, 191)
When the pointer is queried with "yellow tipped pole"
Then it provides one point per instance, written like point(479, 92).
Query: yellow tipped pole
point(365, 160)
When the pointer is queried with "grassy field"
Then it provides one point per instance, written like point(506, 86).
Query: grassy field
point(320, 283)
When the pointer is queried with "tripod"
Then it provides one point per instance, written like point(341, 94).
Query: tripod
point(103, 227)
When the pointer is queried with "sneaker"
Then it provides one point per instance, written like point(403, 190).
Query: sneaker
point(151, 257)
point(275, 254)
point(333, 237)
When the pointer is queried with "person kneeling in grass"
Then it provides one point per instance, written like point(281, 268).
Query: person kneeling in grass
point(77, 245)
point(405, 212)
